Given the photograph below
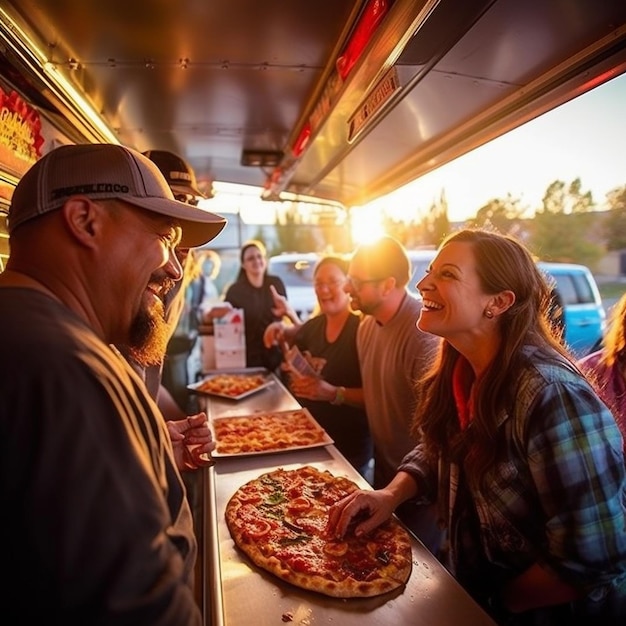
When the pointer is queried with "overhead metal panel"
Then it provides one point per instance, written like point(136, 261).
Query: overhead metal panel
point(465, 82)
point(209, 80)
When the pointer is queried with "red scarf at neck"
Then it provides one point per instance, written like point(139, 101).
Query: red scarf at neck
point(462, 382)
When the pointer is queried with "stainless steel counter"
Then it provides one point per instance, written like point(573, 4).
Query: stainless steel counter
point(237, 593)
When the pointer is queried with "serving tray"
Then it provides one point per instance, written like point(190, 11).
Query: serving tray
point(231, 386)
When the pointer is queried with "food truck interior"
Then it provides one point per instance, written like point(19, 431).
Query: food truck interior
point(343, 100)
point(340, 100)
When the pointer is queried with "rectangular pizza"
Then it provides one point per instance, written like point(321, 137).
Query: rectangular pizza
point(267, 431)
point(230, 385)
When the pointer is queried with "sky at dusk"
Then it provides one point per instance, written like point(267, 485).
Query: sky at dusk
point(584, 138)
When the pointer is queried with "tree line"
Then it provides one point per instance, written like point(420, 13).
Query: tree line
point(567, 227)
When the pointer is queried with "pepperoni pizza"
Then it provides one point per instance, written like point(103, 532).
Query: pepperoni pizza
point(267, 431)
point(279, 521)
point(231, 385)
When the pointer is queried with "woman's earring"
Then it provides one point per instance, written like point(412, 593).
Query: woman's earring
point(489, 314)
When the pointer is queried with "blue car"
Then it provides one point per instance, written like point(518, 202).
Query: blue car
point(584, 314)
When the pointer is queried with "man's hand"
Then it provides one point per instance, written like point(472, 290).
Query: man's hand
point(192, 442)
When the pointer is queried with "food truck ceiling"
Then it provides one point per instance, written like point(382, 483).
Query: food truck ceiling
point(354, 98)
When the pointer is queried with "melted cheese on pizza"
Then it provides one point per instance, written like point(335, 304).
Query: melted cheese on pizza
point(280, 520)
point(266, 431)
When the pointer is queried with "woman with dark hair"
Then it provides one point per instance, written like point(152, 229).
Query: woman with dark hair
point(333, 391)
point(523, 458)
point(258, 294)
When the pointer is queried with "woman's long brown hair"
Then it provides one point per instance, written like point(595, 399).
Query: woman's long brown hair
point(502, 264)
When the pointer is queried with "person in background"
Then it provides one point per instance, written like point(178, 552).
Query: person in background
point(99, 529)
point(206, 295)
point(392, 357)
point(524, 459)
point(172, 365)
point(203, 303)
point(190, 435)
point(333, 393)
point(260, 295)
point(606, 368)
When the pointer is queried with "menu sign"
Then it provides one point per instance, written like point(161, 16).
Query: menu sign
point(20, 133)
point(374, 103)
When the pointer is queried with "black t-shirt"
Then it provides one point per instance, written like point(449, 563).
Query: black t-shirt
point(257, 304)
point(96, 524)
point(338, 364)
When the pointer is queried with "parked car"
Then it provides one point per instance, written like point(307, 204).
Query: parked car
point(420, 260)
point(585, 317)
point(584, 314)
point(296, 271)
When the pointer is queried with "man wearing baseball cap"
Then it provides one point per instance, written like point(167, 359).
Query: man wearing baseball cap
point(148, 359)
point(97, 524)
point(179, 175)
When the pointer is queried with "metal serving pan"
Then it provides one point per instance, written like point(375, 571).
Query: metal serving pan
point(237, 593)
point(244, 594)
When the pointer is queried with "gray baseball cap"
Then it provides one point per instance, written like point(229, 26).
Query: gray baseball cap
point(106, 171)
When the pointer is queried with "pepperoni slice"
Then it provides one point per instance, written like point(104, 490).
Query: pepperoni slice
point(250, 497)
point(300, 504)
point(257, 528)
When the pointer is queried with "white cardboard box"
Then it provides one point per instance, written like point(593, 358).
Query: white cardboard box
point(229, 340)
point(225, 359)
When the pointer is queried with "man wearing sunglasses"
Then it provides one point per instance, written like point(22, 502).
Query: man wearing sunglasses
point(393, 355)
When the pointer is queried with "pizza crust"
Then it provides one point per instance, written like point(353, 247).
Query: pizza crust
point(276, 520)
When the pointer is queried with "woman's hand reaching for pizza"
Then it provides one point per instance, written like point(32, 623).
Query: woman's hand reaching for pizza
point(360, 512)
point(364, 510)
point(192, 442)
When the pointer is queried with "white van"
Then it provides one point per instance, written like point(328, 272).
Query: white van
point(295, 269)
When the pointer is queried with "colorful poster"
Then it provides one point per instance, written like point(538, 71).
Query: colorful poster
point(20, 133)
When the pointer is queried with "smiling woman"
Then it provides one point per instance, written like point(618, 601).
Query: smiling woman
point(502, 409)
point(255, 291)
point(332, 387)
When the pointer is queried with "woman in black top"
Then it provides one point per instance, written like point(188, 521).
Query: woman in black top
point(258, 294)
point(334, 394)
